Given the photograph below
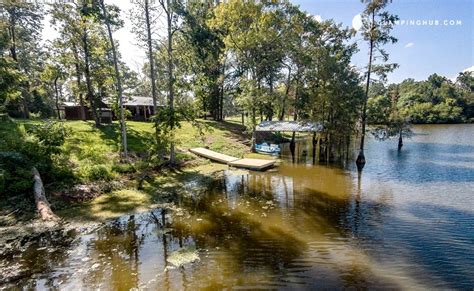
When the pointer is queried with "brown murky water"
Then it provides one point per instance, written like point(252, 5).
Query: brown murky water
point(406, 222)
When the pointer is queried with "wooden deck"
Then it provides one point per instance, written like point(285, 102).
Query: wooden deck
point(251, 164)
point(212, 155)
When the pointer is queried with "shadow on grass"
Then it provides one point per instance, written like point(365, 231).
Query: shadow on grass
point(236, 131)
point(109, 205)
point(167, 187)
point(137, 140)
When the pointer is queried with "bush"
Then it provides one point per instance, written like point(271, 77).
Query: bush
point(15, 174)
point(51, 135)
point(124, 168)
point(62, 175)
point(20, 151)
point(95, 172)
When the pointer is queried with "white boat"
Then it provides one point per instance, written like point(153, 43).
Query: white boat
point(270, 149)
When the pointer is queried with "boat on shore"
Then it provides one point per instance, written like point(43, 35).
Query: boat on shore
point(269, 149)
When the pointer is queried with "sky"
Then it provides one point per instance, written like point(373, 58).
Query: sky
point(422, 48)
point(434, 36)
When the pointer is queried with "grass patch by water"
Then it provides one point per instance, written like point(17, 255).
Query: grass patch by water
point(92, 155)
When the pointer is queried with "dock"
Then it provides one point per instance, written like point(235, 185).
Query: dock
point(251, 164)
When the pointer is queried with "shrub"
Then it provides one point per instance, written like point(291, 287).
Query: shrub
point(62, 174)
point(123, 168)
point(15, 174)
point(91, 172)
point(51, 135)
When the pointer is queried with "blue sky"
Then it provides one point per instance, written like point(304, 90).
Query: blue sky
point(446, 48)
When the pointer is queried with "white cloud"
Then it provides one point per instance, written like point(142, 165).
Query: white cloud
point(470, 69)
point(316, 17)
point(357, 22)
point(408, 45)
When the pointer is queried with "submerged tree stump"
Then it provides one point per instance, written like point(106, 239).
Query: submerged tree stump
point(42, 205)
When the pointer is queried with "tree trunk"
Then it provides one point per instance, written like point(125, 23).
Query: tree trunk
point(13, 38)
point(90, 91)
point(293, 146)
point(361, 157)
point(57, 96)
point(328, 148)
point(400, 140)
point(287, 91)
point(216, 100)
point(254, 122)
point(78, 80)
point(13, 52)
point(24, 103)
point(222, 92)
point(151, 60)
point(318, 148)
point(119, 83)
point(221, 107)
point(42, 204)
point(170, 76)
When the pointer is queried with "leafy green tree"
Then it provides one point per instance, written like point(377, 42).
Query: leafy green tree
point(66, 20)
point(109, 20)
point(387, 117)
point(465, 81)
point(376, 26)
point(144, 16)
point(435, 100)
point(53, 75)
point(11, 77)
point(22, 20)
point(202, 52)
point(252, 37)
point(378, 108)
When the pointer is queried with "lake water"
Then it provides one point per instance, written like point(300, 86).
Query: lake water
point(406, 222)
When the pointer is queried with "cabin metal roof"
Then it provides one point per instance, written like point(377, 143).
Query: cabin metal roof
point(298, 126)
point(138, 101)
point(127, 101)
point(69, 104)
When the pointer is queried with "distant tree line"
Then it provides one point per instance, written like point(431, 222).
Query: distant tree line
point(435, 100)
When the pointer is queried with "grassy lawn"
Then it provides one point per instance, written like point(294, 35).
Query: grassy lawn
point(217, 136)
point(91, 156)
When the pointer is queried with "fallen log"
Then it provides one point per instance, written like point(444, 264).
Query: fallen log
point(42, 205)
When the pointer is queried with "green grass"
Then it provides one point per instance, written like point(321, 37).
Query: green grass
point(217, 136)
point(92, 155)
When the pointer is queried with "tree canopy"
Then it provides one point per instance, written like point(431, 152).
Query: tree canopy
point(267, 60)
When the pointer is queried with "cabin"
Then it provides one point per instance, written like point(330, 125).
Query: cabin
point(72, 111)
point(140, 108)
